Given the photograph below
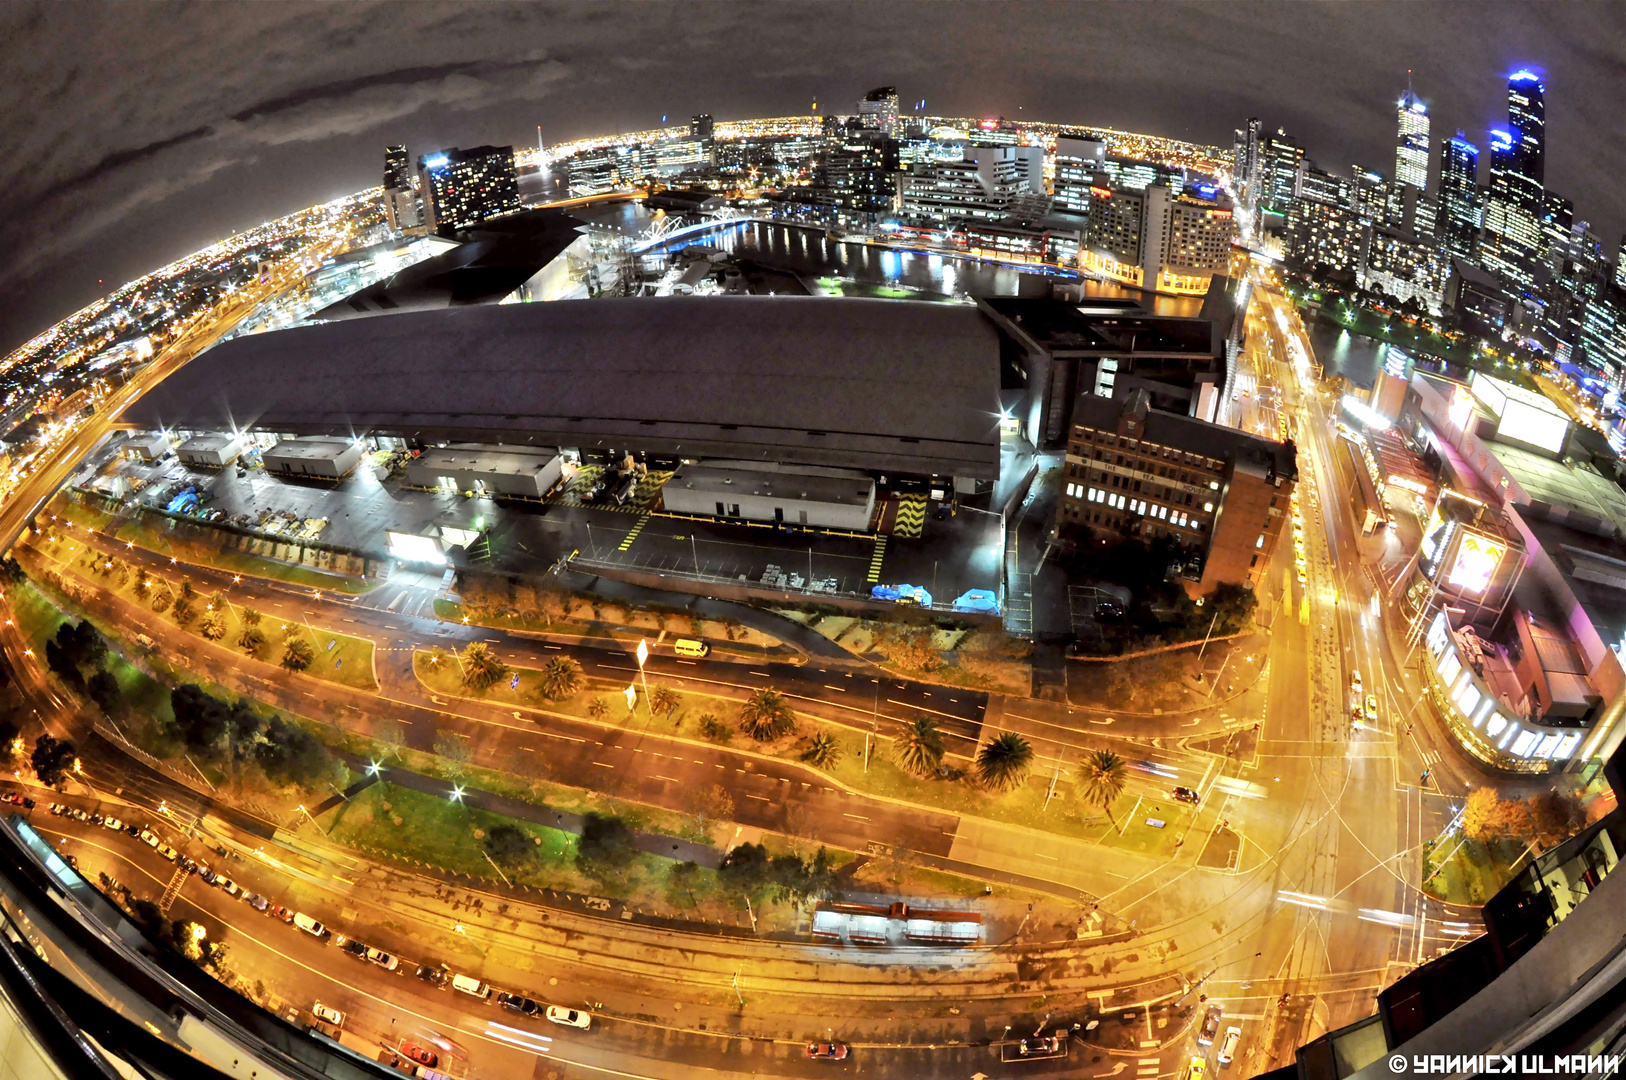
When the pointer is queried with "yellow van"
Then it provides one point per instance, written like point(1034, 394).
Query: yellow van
point(690, 647)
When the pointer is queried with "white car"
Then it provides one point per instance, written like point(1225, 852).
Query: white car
point(1355, 682)
point(569, 1017)
point(1227, 1050)
point(113, 823)
point(327, 1014)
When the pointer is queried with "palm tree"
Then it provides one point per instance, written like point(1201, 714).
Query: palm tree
point(481, 668)
point(1101, 780)
point(823, 751)
point(213, 625)
point(1005, 762)
point(918, 749)
point(766, 716)
point(598, 707)
point(664, 699)
point(561, 678)
point(297, 654)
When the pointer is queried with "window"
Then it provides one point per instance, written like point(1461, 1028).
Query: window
point(1259, 543)
point(1208, 508)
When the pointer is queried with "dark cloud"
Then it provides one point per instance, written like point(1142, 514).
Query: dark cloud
point(136, 133)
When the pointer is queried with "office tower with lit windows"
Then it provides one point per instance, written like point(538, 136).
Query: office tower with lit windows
point(1620, 263)
point(1077, 160)
point(701, 126)
point(1411, 146)
point(1459, 218)
point(400, 193)
point(1282, 163)
point(464, 187)
point(1253, 168)
point(1527, 121)
point(1511, 241)
point(878, 109)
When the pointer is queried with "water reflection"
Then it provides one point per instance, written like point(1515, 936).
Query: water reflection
point(813, 255)
point(1354, 356)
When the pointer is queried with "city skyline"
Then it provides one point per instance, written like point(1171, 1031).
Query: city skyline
point(121, 186)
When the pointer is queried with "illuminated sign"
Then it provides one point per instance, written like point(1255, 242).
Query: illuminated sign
point(1477, 559)
point(1367, 415)
point(1101, 192)
point(1394, 363)
point(1462, 406)
point(439, 161)
point(1409, 484)
point(1219, 213)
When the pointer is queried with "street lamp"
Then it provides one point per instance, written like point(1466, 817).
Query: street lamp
point(374, 768)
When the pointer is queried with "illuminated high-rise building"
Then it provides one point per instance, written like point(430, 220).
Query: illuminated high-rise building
point(1620, 263)
point(879, 109)
point(1460, 215)
point(1510, 242)
point(1281, 165)
point(400, 192)
point(464, 187)
point(1411, 145)
point(1527, 120)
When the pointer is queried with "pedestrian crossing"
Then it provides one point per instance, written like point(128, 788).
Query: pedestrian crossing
point(1147, 1068)
point(911, 518)
point(172, 889)
point(633, 535)
point(875, 560)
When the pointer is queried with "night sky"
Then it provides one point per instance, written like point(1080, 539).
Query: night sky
point(136, 133)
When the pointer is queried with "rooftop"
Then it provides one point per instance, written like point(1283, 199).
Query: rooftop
point(804, 487)
point(882, 384)
point(1191, 435)
point(486, 459)
point(1057, 326)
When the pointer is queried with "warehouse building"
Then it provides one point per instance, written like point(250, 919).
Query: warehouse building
point(897, 391)
point(824, 498)
point(528, 474)
point(325, 459)
point(210, 450)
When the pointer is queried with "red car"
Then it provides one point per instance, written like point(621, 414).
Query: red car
point(419, 1054)
point(827, 1051)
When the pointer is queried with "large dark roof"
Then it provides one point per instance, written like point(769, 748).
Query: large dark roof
point(882, 384)
point(1060, 327)
point(1190, 435)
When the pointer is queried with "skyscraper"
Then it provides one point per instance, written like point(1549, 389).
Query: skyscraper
point(1282, 162)
point(400, 193)
point(1460, 212)
point(1077, 161)
point(464, 187)
point(1527, 117)
point(701, 126)
point(879, 109)
point(1620, 263)
point(1411, 144)
point(1254, 167)
point(1510, 243)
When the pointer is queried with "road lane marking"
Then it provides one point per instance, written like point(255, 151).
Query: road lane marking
point(760, 798)
point(856, 817)
point(602, 765)
point(842, 689)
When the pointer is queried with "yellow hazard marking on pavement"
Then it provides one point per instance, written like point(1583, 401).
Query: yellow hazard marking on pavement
point(875, 560)
point(911, 517)
point(633, 535)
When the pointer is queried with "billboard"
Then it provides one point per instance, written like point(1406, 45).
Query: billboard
point(1523, 423)
point(1477, 559)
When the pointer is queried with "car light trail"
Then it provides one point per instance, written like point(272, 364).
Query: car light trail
point(516, 1037)
point(1302, 900)
point(1385, 918)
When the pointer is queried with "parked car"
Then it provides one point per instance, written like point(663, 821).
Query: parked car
point(327, 1014)
point(435, 975)
point(207, 874)
point(227, 886)
point(113, 823)
point(381, 958)
point(277, 911)
point(569, 1017)
point(168, 852)
point(828, 1051)
point(1210, 1028)
point(1371, 707)
point(149, 838)
point(1038, 1046)
point(256, 901)
point(1185, 795)
point(310, 926)
point(351, 947)
point(516, 1003)
point(133, 830)
point(1227, 1050)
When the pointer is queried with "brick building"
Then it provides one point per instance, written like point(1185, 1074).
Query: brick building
point(1135, 472)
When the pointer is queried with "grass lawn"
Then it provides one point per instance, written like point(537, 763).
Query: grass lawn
point(1024, 806)
point(617, 623)
point(154, 533)
point(1473, 872)
point(339, 658)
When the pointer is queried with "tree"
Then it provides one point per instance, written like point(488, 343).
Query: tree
point(454, 751)
point(1004, 763)
point(1482, 816)
point(243, 726)
point(745, 868)
point(599, 707)
point(664, 699)
point(1229, 607)
point(103, 689)
point(1553, 818)
point(680, 882)
point(918, 749)
point(709, 807)
point(213, 625)
point(766, 716)
point(821, 877)
point(508, 844)
point(1101, 780)
point(52, 758)
point(76, 647)
point(823, 751)
point(607, 846)
point(297, 654)
point(561, 678)
point(251, 638)
point(8, 738)
point(143, 583)
point(910, 648)
point(200, 719)
point(11, 570)
point(185, 606)
point(481, 668)
point(713, 728)
point(289, 754)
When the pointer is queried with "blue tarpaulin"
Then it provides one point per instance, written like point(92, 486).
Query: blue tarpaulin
point(977, 600)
